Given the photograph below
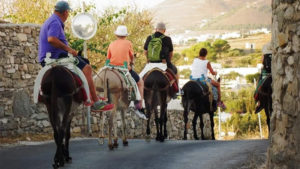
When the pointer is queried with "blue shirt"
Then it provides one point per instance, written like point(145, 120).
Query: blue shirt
point(54, 27)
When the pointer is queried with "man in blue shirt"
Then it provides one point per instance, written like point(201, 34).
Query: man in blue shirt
point(52, 39)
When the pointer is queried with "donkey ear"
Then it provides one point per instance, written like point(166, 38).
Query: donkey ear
point(219, 79)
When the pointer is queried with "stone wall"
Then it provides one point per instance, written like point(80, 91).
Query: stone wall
point(284, 151)
point(18, 70)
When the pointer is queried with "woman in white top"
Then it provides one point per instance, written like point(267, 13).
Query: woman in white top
point(199, 71)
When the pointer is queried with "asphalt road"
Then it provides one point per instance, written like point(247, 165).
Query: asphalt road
point(88, 154)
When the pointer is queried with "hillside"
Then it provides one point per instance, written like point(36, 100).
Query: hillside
point(197, 15)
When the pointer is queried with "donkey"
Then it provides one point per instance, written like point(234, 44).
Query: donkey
point(111, 82)
point(61, 97)
point(196, 98)
point(265, 90)
point(157, 92)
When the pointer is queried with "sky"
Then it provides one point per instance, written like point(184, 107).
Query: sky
point(103, 4)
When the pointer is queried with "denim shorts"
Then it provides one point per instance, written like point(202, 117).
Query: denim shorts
point(134, 75)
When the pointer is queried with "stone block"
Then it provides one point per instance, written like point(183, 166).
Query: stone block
point(76, 130)
point(289, 13)
point(21, 104)
point(45, 123)
point(22, 37)
point(27, 30)
point(282, 39)
point(11, 70)
point(42, 116)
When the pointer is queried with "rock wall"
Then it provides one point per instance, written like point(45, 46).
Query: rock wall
point(19, 115)
point(284, 151)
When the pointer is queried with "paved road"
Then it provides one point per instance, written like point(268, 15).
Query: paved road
point(88, 154)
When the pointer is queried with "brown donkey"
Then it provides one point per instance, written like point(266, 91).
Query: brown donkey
point(112, 83)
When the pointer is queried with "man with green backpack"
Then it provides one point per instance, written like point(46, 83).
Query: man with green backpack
point(159, 51)
point(159, 47)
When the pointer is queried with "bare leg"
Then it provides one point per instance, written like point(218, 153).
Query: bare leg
point(216, 84)
point(87, 71)
point(140, 85)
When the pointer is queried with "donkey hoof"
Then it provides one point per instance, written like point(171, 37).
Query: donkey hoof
point(111, 147)
point(196, 138)
point(125, 143)
point(68, 159)
point(162, 139)
point(55, 166)
point(116, 145)
point(184, 138)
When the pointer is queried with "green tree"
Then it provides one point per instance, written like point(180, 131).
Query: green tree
point(232, 75)
point(185, 73)
point(139, 24)
point(176, 57)
point(221, 46)
point(193, 51)
point(33, 11)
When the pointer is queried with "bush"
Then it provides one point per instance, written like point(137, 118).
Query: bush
point(185, 73)
point(250, 78)
point(235, 52)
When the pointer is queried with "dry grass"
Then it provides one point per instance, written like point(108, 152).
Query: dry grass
point(25, 137)
point(259, 40)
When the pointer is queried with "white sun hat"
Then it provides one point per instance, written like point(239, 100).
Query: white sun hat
point(267, 49)
point(121, 31)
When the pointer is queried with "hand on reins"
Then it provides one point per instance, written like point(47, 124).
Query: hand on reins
point(73, 52)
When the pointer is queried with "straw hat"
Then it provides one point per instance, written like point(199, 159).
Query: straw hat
point(121, 31)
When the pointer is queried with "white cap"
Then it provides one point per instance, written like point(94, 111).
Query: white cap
point(267, 49)
point(121, 31)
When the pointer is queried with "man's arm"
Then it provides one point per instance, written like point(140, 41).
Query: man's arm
point(171, 48)
point(146, 54)
point(59, 44)
point(171, 55)
point(146, 47)
point(211, 69)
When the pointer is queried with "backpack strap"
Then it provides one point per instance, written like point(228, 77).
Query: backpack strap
point(162, 36)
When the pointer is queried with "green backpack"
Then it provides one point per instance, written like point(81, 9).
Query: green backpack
point(154, 48)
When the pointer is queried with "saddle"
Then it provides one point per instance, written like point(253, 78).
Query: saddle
point(76, 73)
point(126, 80)
point(169, 74)
point(207, 89)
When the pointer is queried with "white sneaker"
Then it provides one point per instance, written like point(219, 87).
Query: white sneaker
point(140, 114)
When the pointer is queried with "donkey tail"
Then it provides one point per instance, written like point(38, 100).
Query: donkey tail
point(108, 91)
point(155, 89)
point(53, 99)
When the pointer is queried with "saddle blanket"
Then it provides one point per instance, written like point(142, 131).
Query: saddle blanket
point(129, 81)
point(69, 65)
point(214, 89)
point(260, 83)
point(150, 66)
